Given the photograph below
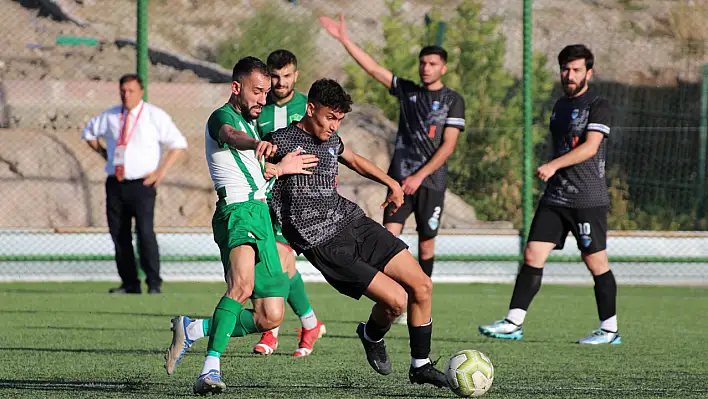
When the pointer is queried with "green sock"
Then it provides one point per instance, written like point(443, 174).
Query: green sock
point(297, 298)
point(222, 324)
point(244, 324)
point(205, 326)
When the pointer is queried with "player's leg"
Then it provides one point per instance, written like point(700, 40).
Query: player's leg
point(404, 269)
point(429, 205)
point(590, 231)
point(394, 222)
point(387, 253)
point(548, 231)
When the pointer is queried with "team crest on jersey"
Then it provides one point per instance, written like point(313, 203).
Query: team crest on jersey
point(436, 105)
point(332, 152)
point(553, 117)
point(294, 118)
point(585, 241)
point(412, 98)
point(575, 113)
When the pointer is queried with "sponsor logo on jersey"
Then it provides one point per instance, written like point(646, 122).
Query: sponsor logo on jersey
point(412, 98)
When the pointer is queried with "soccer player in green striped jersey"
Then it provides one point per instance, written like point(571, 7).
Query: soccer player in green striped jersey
point(284, 106)
point(242, 226)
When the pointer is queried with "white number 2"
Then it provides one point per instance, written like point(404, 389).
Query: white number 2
point(584, 228)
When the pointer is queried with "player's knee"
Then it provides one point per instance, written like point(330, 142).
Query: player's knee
point(271, 318)
point(240, 291)
point(422, 291)
point(398, 304)
point(534, 257)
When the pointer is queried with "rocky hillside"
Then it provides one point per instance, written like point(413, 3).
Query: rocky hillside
point(636, 42)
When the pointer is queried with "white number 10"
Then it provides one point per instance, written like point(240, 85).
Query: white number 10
point(584, 228)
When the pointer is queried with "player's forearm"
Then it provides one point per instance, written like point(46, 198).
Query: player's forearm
point(437, 160)
point(367, 169)
point(237, 139)
point(579, 154)
point(367, 62)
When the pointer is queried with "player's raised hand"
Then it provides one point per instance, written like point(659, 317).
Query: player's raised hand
point(297, 163)
point(266, 149)
point(395, 197)
point(337, 30)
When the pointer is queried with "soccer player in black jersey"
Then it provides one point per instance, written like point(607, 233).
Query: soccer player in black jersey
point(356, 255)
point(431, 119)
point(575, 200)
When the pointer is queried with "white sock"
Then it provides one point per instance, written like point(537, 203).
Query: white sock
point(516, 316)
point(609, 324)
point(211, 363)
point(195, 330)
point(275, 331)
point(309, 320)
point(369, 339)
point(419, 362)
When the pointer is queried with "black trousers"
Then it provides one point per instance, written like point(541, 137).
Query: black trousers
point(124, 201)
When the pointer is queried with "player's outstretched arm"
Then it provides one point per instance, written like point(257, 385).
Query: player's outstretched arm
point(339, 32)
point(366, 168)
point(241, 141)
point(577, 155)
point(293, 163)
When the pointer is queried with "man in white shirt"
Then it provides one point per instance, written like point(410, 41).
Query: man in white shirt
point(134, 133)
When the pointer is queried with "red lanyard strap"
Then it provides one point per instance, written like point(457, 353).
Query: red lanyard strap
point(124, 140)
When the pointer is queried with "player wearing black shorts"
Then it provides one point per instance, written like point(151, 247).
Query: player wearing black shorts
point(576, 200)
point(356, 255)
point(431, 119)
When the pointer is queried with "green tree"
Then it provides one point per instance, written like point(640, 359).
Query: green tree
point(272, 28)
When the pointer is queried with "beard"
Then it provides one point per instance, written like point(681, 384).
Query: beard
point(578, 87)
point(281, 96)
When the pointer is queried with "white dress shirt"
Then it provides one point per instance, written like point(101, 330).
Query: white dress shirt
point(144, 150)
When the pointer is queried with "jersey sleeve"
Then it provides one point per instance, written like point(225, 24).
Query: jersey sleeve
point(456, 115)
point(218, 119)
point(340, 150)
point(600, 116)
point(400, 87)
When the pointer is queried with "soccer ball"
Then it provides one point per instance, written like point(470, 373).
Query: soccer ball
point(469, 373)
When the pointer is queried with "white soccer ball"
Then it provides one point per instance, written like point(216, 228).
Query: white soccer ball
point(469, 373)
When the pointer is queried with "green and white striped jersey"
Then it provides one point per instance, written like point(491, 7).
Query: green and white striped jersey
point(237, 175)
point(274, 116)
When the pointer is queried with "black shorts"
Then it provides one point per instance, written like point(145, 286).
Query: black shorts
point(552, 223)
point(351, 259)
point(426, 205)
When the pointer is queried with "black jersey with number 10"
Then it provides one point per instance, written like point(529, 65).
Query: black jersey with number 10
point(582, 185)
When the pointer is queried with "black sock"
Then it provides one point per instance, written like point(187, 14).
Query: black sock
point(606, 295)
point(427, 265)
point(375, 331)
point(528, 282)
point(420, 340)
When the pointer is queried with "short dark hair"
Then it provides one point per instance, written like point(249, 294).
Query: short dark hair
point(131, 77)
point(432, 50)
point(245, 66)
point(280, 58)
point(331, 94)
point(576, 52)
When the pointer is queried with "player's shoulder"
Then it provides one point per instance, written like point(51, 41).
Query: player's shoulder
point(597, 100)
point(453, 95)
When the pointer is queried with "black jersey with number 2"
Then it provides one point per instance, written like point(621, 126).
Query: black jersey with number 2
point(582, 185)
point(423, 118)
